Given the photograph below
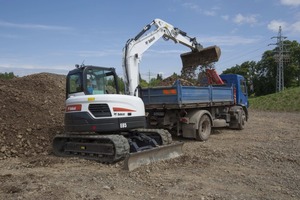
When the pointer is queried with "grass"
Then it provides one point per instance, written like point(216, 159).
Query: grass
point(286, 101)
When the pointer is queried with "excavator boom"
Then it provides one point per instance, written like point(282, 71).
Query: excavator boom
point(135, 47)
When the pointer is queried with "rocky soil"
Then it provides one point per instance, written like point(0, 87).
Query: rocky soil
point(260, 162)
point(31, 113)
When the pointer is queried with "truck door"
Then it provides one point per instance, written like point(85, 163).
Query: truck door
point(243, 93)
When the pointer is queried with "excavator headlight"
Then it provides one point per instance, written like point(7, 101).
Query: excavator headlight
point(72, 108)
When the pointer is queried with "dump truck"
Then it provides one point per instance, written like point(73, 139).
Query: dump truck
point(192, 111)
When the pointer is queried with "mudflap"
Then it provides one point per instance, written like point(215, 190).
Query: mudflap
point(135, 160)
point(202, 57)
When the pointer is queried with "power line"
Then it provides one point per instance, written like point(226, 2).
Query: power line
point(230, 59)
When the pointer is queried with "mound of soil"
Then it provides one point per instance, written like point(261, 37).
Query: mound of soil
point(31, 113)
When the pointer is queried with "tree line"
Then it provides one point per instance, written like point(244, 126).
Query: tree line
point(261, 75)
point(6, 75)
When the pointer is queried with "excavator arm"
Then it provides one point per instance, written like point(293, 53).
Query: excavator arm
point(135, 47)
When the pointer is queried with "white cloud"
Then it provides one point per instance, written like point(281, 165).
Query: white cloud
point(33, 26)
point(192, 6)
point(241, 19)
point(225, 17)
point(274, 25)
point(196, 8)
point(209, 13)
point(293, 28)
point(297, 15)
point(290, 2)
point(233, 31)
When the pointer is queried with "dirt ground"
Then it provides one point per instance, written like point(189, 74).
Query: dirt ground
point(260, 162)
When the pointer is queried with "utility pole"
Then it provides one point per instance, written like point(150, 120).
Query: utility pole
point(281, 57)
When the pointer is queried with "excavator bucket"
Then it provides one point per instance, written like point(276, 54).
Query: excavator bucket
point(202, 57)
point(135, 160)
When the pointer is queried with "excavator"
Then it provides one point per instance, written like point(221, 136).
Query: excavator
point(105, 124)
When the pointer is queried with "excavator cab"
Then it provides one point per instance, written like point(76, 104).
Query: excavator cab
point(91, 80)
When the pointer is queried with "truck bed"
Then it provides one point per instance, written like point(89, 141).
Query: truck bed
point(178, 96)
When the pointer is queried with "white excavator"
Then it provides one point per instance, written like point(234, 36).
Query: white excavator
point(104, 124)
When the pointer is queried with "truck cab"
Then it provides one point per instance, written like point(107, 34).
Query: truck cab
point(238, 82)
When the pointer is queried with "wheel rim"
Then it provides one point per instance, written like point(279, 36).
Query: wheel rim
point(204, 128)
point(243, 118)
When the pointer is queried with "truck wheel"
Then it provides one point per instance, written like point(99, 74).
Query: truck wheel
point(204, 128)
point(242, 120)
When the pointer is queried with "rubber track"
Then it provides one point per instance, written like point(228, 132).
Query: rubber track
point(164, 134)
point(121, 147)
point(120, 143)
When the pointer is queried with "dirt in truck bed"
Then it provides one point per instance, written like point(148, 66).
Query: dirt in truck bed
point(260, 162)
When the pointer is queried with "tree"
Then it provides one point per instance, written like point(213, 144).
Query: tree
point(143, 83)
point(159, 77)
point(121, 85)
point(6, 75)
point(263, 73)
point(154, 82)
point(267, 68)
point(294, 64)
point(265, 77)
point(246, 69)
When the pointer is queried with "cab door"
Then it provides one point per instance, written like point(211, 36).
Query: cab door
point(243, 93)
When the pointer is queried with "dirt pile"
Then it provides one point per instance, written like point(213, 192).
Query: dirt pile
point(31, 113)
point(169, 81)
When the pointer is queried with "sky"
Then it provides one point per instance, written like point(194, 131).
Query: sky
point(52, 36)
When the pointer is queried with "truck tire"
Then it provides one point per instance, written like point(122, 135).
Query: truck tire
point(204, 128)
point(242, 120)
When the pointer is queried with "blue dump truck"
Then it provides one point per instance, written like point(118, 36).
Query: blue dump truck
point(192, 111)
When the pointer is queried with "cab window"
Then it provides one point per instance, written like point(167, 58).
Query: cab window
point(75, 83)
point(243, 86)
point(100, 81)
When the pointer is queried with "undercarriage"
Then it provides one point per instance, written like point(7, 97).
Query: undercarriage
point(134, 145)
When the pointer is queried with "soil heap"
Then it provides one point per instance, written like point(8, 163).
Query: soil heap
point(31, 113)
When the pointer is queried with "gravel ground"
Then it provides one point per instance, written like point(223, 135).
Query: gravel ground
point(260, 162)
